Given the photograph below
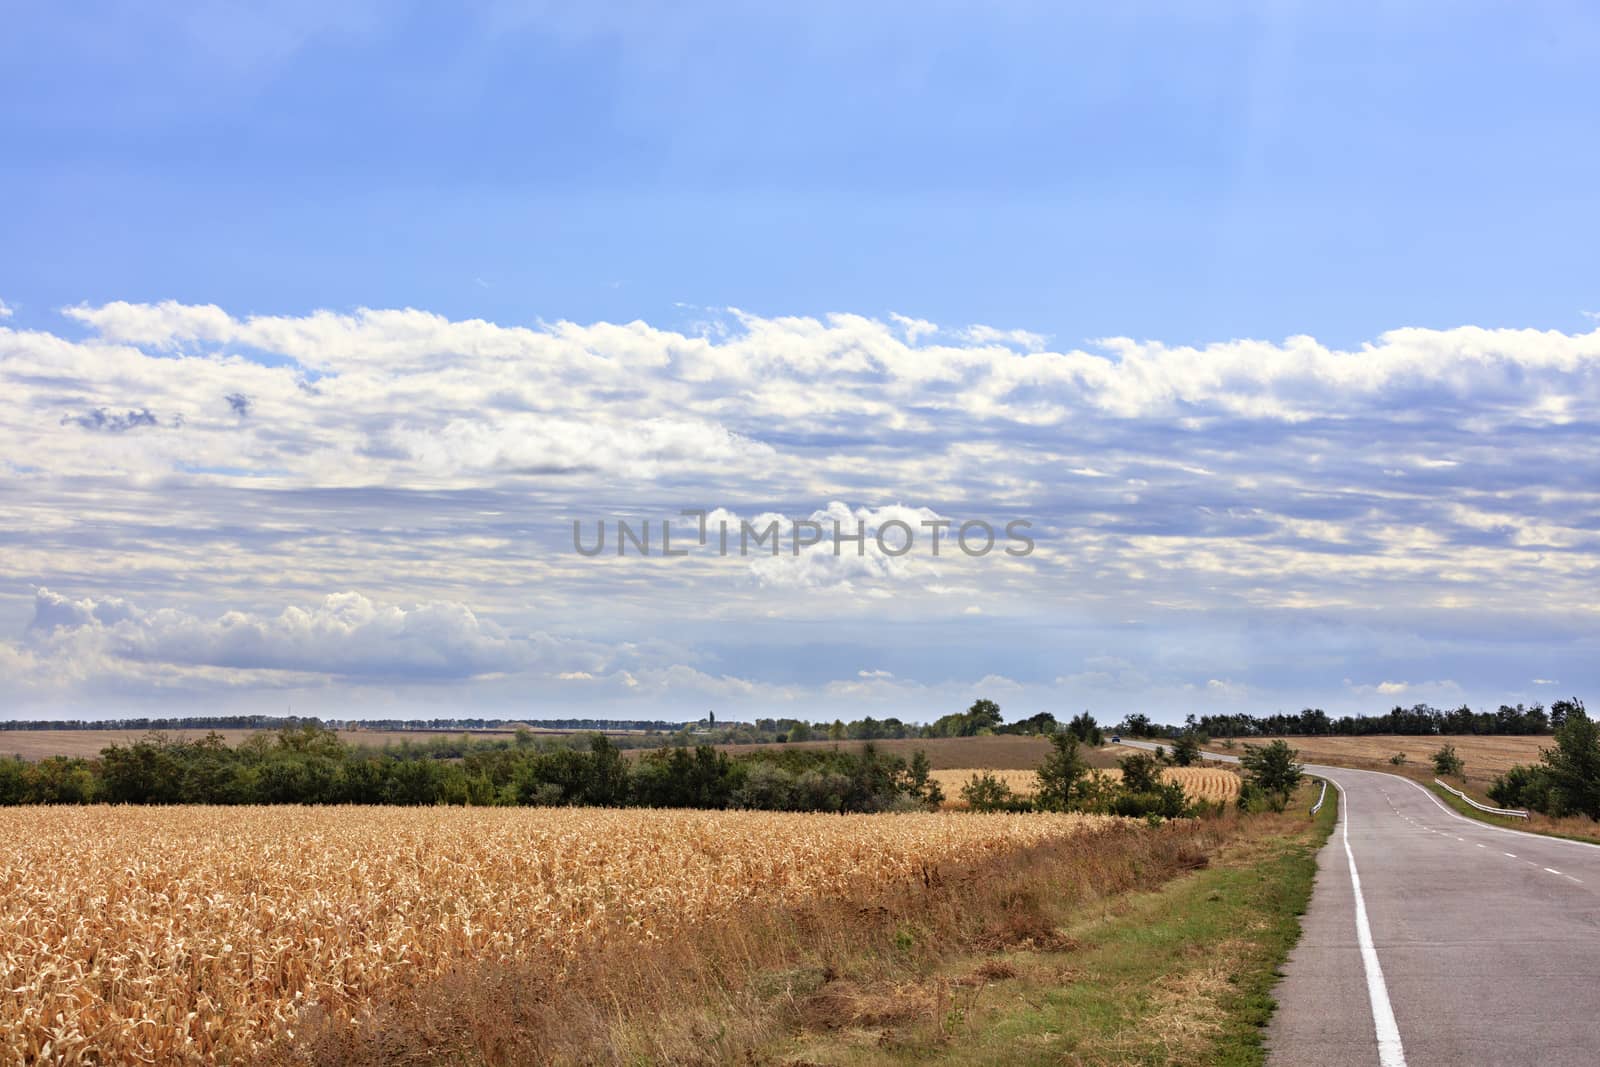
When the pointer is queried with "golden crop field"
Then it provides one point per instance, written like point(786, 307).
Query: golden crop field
point(1201, 783)
point(184, 935)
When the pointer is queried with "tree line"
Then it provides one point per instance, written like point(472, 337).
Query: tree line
point(310, 764)
point(1417, 720)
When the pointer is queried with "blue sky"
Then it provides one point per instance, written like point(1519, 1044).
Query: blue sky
point(930, 222)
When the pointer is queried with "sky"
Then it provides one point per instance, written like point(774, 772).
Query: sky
point(320, 326)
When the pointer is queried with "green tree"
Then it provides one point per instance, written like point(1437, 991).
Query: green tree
point(1447, 764)
point(1086, 729)
point(1061, 774)
point(920, 784)
point(1271, 769)
point(1573, 766)
point(1141, 773)
point(1186, 749)
point(1136, 726)
point(985, 792)
point(983, 715)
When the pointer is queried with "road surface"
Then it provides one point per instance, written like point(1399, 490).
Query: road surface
point(1465, 945)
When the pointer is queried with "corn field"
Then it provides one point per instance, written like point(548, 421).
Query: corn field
point(1200, 783)
point(192, 934)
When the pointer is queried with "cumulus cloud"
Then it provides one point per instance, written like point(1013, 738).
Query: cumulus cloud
point(221, 463)
point(344, 635)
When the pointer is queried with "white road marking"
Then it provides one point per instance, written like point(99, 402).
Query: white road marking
point(1390, 1052)
point(1551, 870)
point(1481, 845)
point(1512, 855)
point(1480, 824)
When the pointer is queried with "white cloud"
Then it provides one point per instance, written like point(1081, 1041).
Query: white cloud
point(222, 464)
point(344, 635)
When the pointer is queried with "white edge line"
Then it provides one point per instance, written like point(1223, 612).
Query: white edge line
point(1487, 825)
point(1390, 1051)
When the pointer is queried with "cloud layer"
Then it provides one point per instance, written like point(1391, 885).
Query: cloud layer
point(381, 501)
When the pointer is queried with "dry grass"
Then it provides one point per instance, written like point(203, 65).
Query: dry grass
point(1486, 757)
point(189, 934)
point(867, 960)
point(1200, 783)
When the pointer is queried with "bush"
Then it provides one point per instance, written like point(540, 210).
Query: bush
point(1272, 772)
point(1447, 764)
point(1522, 787)
point(1140, 773)
point(1186, 749)
point(1398, 759)
point(985, 792)
point(1166, 801)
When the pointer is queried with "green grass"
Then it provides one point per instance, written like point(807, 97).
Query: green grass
point(1179, 975)
point(1530, 826)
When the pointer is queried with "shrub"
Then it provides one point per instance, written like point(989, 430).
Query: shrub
point(1447, 764)
point(985, 792)
point(1272, 771)
point(1522, 787)
point(1140, 773)
point(1398, 759)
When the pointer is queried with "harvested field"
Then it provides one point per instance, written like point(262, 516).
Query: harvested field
point(1485, 757)
point(1200, 783)
point(42, 744)
point(186, 935)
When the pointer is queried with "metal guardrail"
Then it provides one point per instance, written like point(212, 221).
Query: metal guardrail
point(1511, 812)
point(1323, 796)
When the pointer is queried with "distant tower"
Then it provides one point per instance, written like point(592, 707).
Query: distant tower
point(711, 719)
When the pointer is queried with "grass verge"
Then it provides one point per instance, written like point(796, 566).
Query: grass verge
point(1177, 975)
point(1573, 829)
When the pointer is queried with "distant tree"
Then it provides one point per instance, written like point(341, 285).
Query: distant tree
point(1186, 749)
point(983, 715)
point(1085, 729)
point(801, 731)
point(1271, 769)
point(1136, 726)
point(1561, 709)
point(836, 731)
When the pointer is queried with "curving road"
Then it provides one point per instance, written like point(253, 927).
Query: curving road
point(1433, 939)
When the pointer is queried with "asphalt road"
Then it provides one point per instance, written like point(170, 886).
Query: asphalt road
point(1433, 939)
